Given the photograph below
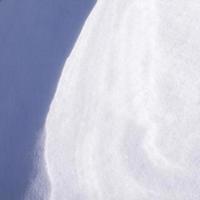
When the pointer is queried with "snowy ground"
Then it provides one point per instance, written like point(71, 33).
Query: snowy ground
point(124, 122)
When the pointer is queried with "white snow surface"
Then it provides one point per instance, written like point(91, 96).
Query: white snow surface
point(124, 122)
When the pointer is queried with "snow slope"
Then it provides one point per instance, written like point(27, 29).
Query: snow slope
point(124, 122)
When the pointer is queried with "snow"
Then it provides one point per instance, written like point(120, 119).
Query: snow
point(124, 121)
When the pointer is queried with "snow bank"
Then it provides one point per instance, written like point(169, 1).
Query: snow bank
point(124, 122)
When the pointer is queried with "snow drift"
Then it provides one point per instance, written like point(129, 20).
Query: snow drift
point(124, 122)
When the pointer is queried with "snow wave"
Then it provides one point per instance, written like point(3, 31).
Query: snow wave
point(124, 121)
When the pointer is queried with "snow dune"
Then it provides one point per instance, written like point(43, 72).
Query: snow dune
point(124, 122)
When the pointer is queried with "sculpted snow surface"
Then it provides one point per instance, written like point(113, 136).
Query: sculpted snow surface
point(124, 122)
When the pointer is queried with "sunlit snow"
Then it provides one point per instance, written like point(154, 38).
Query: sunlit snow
point(124, 122)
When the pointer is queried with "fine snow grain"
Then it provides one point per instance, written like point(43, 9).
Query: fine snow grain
point(124, 122)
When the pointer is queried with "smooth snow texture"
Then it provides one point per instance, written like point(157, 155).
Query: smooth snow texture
point(124, 122)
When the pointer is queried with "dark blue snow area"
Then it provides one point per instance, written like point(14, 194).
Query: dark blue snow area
point(36, 36)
